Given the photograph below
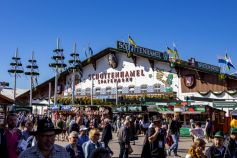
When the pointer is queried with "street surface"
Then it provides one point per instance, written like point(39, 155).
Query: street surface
point(184, 144)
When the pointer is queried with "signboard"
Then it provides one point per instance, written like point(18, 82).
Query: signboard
point(22, 108)
point(145, 52)
point(195, 109)
point(207, 67)
point(155, 103)
point(224, 104)
point(179, 109)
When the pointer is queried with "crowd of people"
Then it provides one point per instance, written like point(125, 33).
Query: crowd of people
point(27, 137)
point(88, 136)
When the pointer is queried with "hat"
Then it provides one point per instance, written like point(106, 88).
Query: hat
point(219, 134)
point(45, 125)
point(83, 128)
point(233, 131)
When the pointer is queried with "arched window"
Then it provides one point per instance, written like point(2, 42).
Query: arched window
point(108, 90)
point(97, 90)
point(157, 88)
point(144, 88)
point(88, 91)
point(120, 89)
point(131, 89)
point(78, 91)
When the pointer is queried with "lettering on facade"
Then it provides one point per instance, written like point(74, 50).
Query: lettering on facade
point(114, 77)
point(143, 51)
point(207, 67)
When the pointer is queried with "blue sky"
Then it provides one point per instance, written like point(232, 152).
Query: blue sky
point(202, 29)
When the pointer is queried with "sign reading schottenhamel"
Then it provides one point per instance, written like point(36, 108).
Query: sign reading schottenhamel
point(143, 51)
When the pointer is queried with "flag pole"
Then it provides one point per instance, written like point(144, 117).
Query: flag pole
point(92, 86)
point(117, 93)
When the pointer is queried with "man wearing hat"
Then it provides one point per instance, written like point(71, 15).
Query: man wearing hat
point(217, 150)
point(156, 137)
point(83, 136)
point(45, 147)
point(231, 144)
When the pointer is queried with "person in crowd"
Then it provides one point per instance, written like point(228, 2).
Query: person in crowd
point(145, 123)
point(75, 125)
point(118, 123)
point(86, 121)
point(208, 129)
point(83, 137)
point(124, 140)
point(197, 149)
point(100, 153)
point(217, 150)
point(173, 129)
point(74, 149)
point(9, 138)
point(197, 132)
point(132, 130)
point(137, 126)
point(192, 126)
point(93, 143)
point(60, 126)
point(45, 147)
point(156, 137)
point(231, 144)
point(26, 131)
point(107, 132)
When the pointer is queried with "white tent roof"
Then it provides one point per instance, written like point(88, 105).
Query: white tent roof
point(41, 102)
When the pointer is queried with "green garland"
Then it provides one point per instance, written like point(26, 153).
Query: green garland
point(218, 93)
point(204, 93)
point(232, 92)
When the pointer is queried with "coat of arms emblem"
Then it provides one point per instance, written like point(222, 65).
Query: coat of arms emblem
point(112, 60)
point(189, 80)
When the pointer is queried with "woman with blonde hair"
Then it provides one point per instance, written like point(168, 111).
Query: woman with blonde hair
point(92, 143)
point(196, 150)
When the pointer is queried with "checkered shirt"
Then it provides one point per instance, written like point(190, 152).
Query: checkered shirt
point(34, 152)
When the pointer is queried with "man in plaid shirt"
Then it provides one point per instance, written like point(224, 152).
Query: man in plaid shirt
point(45, 147)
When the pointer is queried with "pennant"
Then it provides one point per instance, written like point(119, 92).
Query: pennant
point(85, 54)
point(131, 41)
point(169, 50)
point(91, 51)
point(227, 61)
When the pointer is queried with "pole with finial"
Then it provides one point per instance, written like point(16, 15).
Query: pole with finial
point(58, 65)
point(75, 67)
point(33, 73)
point(16, 69)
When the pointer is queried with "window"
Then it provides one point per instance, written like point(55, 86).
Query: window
point(97, 91)
point(88, 91)
point(144, 88)
point(120, 90)
point(157, 88)
point(131, 89)
point(108, 90)
point(78, 91)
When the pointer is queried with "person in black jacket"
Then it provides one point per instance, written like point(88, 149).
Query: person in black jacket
point(107, 132)
point(217, 150)
point(124, 140)
point(173, 129)
point(156, 137)
point(3, 144)
point(231, 144)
